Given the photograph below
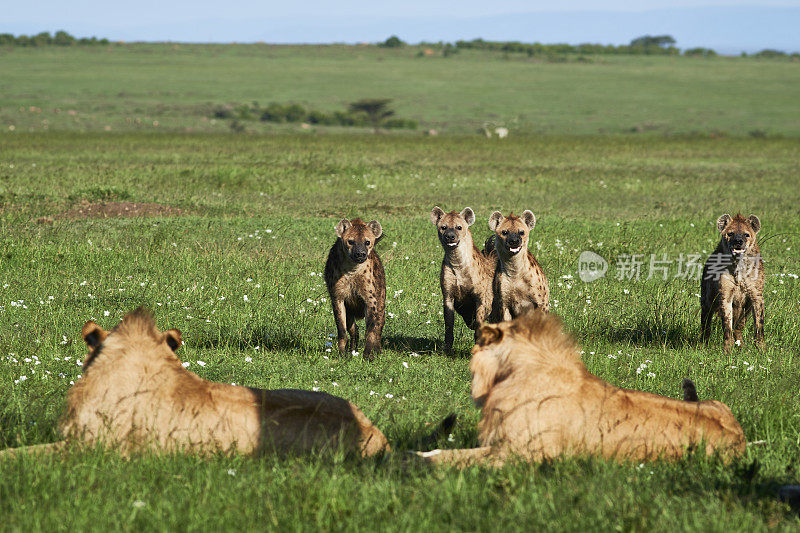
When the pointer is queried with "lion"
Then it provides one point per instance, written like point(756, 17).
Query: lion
point(135, 395)
point(539, 402)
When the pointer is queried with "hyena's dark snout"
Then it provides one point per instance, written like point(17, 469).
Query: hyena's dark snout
point(450, 237)
point(737, 243)
point(358, 253)
point(514, 241)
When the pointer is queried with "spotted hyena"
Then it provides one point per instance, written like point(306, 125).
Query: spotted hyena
point(733, 281)
point(467, 274)
point(357, 284)
point(519, 282)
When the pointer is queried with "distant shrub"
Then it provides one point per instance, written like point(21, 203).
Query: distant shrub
point(321, 118)
point(699, 52)
point(392, 42)
point(659, 44)
point(769, 53)
point(223, 112)
point(293, 113)
point(400, 123)
point(61, 38)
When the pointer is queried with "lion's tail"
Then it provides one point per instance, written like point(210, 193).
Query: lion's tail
point(689, 391)
point(444, 428)
point(36, 449)
point(461, 458)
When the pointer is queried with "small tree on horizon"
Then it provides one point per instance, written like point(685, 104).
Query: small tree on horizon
point(376, 109)
point(653, 41)
point(392, 42)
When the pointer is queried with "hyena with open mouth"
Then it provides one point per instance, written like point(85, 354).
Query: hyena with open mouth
point(519, 281)
point(733, 281)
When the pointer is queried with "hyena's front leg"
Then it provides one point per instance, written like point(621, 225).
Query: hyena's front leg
point(739, 319)
point(374, 327)
point(706, 314)
point(726, 314)
point(449, 321)
point(758, 321)
point(340, 317)
point(352, 329)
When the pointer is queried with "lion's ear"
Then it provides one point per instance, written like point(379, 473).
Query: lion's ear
point(436, 215)
point(469, 215)
point(722, 221)
point(484, 367)
point(753, 220)
point(93, 334)
point(488, 334)
point(495, 219)
point(173, 338)
point(529, 218)
point(342, 226)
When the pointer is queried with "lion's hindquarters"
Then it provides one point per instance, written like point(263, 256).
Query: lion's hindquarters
point(301, 421)
point(641, 425)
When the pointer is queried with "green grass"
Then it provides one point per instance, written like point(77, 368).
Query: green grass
point(259, 213)
point(145, 87)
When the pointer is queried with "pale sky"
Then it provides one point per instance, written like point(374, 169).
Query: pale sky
point(723, 23)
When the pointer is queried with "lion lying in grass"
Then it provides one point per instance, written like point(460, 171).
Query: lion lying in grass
point(539, 402)
point(135, 395)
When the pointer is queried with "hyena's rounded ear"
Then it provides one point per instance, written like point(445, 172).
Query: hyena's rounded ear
point(173, 338)
point(342, 226)
point(529, 218)
point(436, 215)
point(753, 220)
point(723, 221)
point(93, 334)
point(376, 228)
point(495, 219)
point(469, 215)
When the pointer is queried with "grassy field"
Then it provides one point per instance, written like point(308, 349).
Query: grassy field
point(145, 87)
point(255, 217)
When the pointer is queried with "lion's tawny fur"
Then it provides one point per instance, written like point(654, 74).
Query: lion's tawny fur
point(539, 402)
point(135, 395)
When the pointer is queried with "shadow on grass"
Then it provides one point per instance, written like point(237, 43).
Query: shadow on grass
point(245, 341)
point(646, 332)
point(421, 345)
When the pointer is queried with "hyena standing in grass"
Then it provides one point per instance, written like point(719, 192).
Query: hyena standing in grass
point(466, 276)
point(357, 284)
point(519, 282)
point(733, 281)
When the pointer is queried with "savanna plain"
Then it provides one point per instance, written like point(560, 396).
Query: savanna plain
point(233, 253)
